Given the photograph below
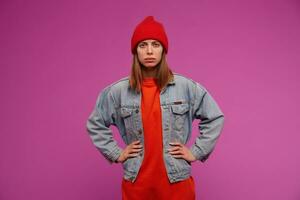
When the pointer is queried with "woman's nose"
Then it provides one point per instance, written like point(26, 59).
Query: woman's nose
point(149, 50)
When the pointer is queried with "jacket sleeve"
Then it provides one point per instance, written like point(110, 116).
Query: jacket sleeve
point(207, 110)
point(98, 123)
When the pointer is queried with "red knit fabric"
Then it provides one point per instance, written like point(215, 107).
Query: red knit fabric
point(152, 181)
point(149, 28)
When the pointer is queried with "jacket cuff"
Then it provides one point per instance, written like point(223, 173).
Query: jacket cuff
point(114, 155)
point(199, 155)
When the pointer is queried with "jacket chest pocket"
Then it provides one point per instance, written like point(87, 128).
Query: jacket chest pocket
point(126, 114)
point(129, 116)
point(179, 115)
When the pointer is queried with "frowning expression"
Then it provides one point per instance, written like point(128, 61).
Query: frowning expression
point(149, 52)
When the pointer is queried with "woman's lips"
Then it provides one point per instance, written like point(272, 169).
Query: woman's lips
point(149, 60)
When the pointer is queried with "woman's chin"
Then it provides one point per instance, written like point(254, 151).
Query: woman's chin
point(150, 65)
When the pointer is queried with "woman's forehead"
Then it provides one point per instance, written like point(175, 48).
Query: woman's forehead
point(149, 40)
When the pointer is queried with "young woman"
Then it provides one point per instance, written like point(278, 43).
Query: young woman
point(153, 110)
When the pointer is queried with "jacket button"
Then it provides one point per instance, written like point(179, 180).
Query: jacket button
point(137, 110)
point(140, 131)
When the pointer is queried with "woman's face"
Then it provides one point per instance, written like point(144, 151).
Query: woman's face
point(149, 52)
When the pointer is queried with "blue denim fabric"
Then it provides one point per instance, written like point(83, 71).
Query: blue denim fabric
point(182, 101)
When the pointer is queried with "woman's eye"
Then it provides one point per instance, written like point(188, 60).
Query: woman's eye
point(142, 45)
point(156, 45)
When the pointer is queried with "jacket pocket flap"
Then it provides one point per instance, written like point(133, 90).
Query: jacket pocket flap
point(180, 109)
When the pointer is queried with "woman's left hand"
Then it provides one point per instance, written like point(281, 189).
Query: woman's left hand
point(181, 151)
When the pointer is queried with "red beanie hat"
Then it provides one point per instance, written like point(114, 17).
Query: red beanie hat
point(149, 29)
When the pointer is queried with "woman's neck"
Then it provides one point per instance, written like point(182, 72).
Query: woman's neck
point(149, 72)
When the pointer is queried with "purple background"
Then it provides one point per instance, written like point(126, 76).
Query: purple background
point(56, 56)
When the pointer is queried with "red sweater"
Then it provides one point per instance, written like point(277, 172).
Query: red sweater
point(152, 181)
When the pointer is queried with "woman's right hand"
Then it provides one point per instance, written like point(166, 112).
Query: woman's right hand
point(132, 150)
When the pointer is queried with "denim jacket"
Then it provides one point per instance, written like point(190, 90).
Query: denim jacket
point(182, 101)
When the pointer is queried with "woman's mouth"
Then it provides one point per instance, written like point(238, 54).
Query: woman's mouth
point(149, 60)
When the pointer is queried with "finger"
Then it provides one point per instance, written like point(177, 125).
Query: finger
point(139, 149)
point(175, 143)
point(174, 148)
point(132, 155)
point(176, 152)
point(135, 150)
point(137, 146)
point(134, 143)
point(177, 156)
